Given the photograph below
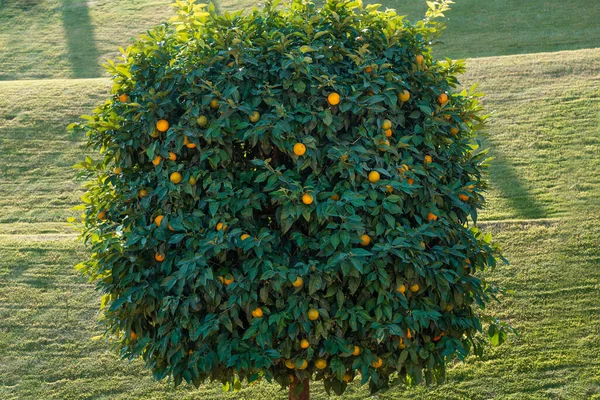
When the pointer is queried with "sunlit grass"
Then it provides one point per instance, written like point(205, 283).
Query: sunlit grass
point(543, 207)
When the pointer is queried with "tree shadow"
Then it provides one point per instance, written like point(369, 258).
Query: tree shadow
point(79, 31)
point(504, 178)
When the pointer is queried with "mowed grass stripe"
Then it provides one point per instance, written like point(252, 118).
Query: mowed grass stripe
point(36, 229)
point(543, 132)
point(48, 312)
point(72, 38)
point(546, 166)
point(37, 154)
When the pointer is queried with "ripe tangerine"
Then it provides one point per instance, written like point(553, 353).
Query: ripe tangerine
point(162, 125)
point(333, 99)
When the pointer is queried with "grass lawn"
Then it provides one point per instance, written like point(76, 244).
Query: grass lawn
point(72, 38)
point(543, 208)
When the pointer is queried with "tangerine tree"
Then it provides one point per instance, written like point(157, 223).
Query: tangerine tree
point(291, 194)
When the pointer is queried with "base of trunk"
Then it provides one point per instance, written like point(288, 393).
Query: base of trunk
point(299, 390)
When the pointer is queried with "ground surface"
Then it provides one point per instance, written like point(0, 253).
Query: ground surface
point(72, 38)
point(543, 208)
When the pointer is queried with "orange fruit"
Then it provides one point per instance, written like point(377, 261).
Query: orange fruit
point(304, 365)
point(133, 335)
point(403, 168)
point(368, 70)
point(436, 338)
point(290, 364)
point(442, 98)
point(419, 59)
point(158, 220)
point(409, 334)
point(220, 226)
point(291, 378)
point(123, 98)
point(257, 313)
point(387, 124)
point(428, 159)
point(230, 64)
point(414, 288)
point(365, 240)
point(175, 177)
point(334, 197)
point(313, 314)
point(389, 133)
point(143, 193)
point(187, 143)
point(202, 120)
point(431, 216)
point(117, 170)
point(404, 96)
point(299, 149)
point(155, 133)
point(298, 282)
point(347, 377)
point(254, 117)
point(401, 289)
point(157, 160)
point(307, 199)
point(401, 344)
point(410, 181)
point(102, 215)
point(321, 363)
point(304, 344)
point(374, 176)
point(377, 363)
point(228, 279)
point(463, 197)
point(333, 99)
point(192, 181)
point(454, 130)
point(172, 156)
point(244, 236)
point(384, 143)
point(470, 188)
point(389, 189)
point(171, 228)
point(162, 125)
point(159, 257)
point(214, 103)
point(356, 351)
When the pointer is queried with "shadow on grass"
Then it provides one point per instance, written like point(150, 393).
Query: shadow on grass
point(83, 54)
point(504, 178)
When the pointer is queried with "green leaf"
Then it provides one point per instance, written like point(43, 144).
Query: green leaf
point(169, 282)
point(327, 118)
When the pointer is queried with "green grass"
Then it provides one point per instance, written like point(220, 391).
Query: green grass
point(72, 38)
point(543, 206)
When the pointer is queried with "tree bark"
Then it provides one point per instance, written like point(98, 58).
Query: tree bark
point(299, 390)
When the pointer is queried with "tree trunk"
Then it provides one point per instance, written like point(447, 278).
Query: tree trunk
point(299, 390)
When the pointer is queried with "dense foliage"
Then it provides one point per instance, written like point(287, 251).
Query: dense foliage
point(287, 193)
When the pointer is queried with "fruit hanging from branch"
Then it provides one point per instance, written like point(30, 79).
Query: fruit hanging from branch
point(296, 196)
